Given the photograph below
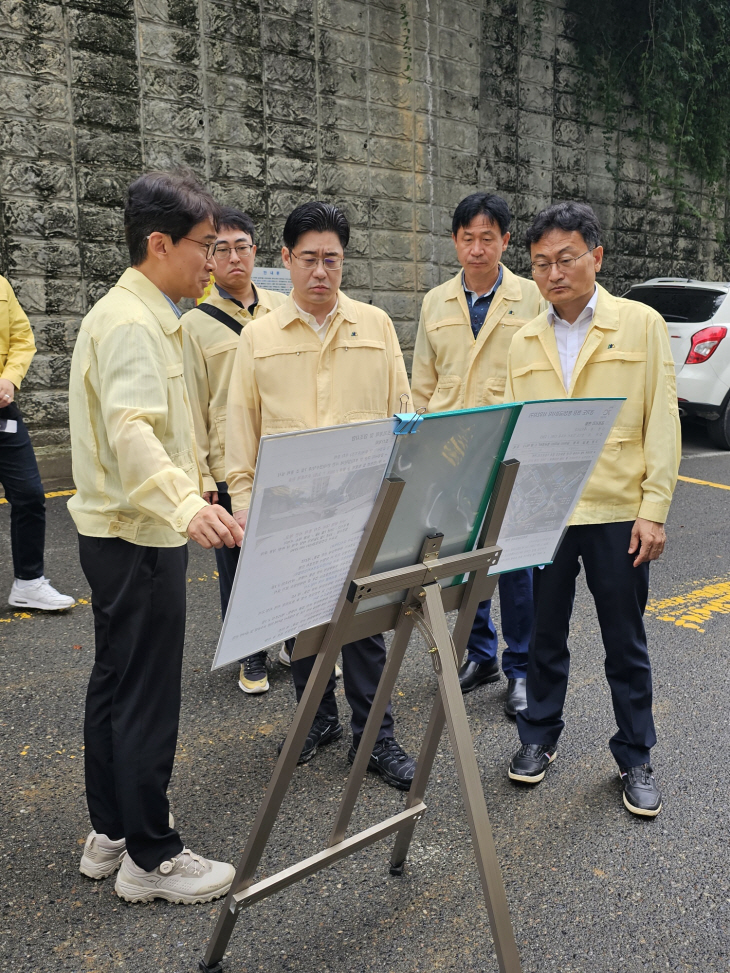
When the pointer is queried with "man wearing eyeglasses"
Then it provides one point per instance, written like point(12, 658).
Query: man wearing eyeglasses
point(459, 362)
point(138, 501)
point(320, 359)
point(589, 344)
point(210, 338)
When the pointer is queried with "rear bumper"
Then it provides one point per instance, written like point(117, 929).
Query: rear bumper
point(702, 410)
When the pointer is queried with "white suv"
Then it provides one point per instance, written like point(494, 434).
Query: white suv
point(697, 313)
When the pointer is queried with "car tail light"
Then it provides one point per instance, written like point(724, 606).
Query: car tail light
point(704, 344)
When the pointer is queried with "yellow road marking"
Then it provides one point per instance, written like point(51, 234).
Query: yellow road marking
point(695, 608)
point(690, 479)
point(62, 493)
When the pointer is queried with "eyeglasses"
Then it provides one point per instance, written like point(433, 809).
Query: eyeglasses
point(541, 268)
point(208, 247)
point(310, 262)
point(225, 252)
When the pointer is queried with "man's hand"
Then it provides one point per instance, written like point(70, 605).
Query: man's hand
point(7, 392)
point(648, 538)
point(210, 496)
point(241, 518)
point(213, 527)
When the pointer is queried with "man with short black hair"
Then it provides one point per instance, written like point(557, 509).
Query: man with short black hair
point(589, 344)
point(320, 359)
point(460, 362)
point(210, 338)
point(137, 502)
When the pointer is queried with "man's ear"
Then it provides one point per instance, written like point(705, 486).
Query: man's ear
point(158, 245)
point(505, 241)
point(597, 258)
point(285, 258)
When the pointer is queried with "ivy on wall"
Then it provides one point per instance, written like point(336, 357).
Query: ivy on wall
point(672, 59)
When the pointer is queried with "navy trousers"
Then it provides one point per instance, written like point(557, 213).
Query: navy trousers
point(362, 666)
point(226, 558)
point(133, 700)
point(24, 492)
point(516, 609)
point(619, 591)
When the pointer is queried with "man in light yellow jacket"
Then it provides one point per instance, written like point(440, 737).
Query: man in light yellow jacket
point(459, 362)
point(210, 338)
point(18, 468)
point(320, 359)
point(138, 501)
point(589, 344)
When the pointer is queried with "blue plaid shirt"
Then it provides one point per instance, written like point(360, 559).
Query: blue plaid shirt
point(479, 304)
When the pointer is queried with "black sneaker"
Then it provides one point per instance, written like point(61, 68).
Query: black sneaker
point(473, 674)
point(641, 795)
point(324, 730)
point(253, 677)
point(390, 760)
point(529, 763)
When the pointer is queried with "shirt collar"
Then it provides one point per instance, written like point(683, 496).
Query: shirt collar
point(585, 316)
point(173, 305)
point(474, 295)
point(312, 321)
point(229, 297)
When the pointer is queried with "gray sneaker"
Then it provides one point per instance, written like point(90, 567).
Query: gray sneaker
point(186, 878)
point(102, 857)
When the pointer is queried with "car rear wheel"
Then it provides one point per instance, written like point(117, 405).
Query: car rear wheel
point(719, 429)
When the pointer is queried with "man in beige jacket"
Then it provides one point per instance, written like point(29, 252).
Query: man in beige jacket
point(320, 359)
point(589, 344)
point(138, 501)
point(459, 362)
point(210, 338)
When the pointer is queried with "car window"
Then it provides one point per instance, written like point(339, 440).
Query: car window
point(679, 304)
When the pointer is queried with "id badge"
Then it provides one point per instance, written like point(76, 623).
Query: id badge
point(8, 425)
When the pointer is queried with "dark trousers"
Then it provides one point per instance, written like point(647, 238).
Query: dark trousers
point(516, 609)
point(24, 492)
point(226, 558)
point(133, 700)
point(620, 591)
point(362, 666)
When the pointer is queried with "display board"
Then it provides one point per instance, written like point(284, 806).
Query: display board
point(272, 279)
point(312, 495)
point(557, 444)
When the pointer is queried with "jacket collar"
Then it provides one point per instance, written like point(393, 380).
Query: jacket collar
point(606, 315)
point(508, 290)
point(346, 311)
point(151, 296)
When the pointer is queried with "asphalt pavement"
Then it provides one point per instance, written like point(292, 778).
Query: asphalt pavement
point(591, 889)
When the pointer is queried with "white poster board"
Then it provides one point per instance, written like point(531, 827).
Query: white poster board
point(272, 279)
point(312, 496)
point(557, 443)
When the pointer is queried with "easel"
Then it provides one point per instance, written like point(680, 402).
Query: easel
point(424, 607)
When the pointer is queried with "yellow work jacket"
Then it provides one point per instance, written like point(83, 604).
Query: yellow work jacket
point(285, 378)
point(209, 348)
point(132, 440)
point(625, 354)
point(452, 369)
point(17, 345)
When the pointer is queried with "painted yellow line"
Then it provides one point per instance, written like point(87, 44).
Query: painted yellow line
point(689, 479)
point(63, 493)
point(694, 609)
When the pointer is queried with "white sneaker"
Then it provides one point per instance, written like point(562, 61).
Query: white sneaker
point(102, 856)
point(187, 878)
point(39, 594)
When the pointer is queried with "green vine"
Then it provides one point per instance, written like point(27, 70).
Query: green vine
point(407, 47)
point(671, 58)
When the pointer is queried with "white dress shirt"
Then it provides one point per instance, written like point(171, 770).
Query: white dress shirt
point(570, 337)
point(319, 329)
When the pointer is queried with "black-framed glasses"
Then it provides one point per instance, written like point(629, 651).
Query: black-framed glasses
point(224, 252)
point(208, 247)
point(309, 261)
point(541, 268)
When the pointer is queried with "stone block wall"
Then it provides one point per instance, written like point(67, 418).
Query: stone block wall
point(395, 109)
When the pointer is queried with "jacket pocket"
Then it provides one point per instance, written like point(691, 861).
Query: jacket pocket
point(219, 421)
point(363, 416)
point(540, 366)
point(271, 426)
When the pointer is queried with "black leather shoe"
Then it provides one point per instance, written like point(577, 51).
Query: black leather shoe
point(390, 760)
point(516, 697)
point(641, 795)
point(324, 730)
point(529, 763)
point(473, 674)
